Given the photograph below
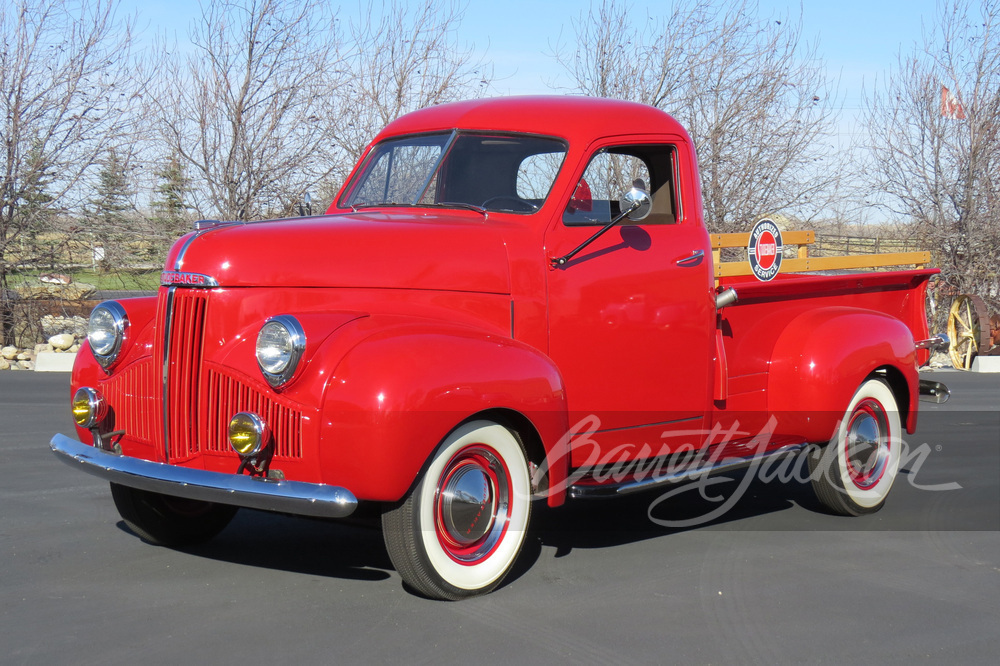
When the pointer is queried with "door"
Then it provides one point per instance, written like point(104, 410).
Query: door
point(632, 315)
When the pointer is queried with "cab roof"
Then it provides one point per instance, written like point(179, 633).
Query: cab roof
point(568, 117)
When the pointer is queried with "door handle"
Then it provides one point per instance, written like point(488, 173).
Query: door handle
point(693, 260)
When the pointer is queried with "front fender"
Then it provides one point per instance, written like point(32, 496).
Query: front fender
point(395, 395)
point(823, 355)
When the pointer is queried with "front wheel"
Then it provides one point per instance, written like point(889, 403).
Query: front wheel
point(853, 474)
point(459, 531)
point(164, 520)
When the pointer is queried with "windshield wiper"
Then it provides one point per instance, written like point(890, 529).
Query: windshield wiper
point(381, 204)
point(440, 204)
point(458, 204)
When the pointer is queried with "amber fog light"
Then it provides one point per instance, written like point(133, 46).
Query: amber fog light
point(89, 407)
point(248, 434)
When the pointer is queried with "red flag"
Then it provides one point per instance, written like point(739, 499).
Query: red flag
point(950, 106)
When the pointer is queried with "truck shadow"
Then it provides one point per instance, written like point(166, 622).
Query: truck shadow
point(355, 551)
point(728, 501)
point(352, 551)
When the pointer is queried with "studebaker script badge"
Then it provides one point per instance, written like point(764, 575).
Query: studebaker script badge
point(176, 278)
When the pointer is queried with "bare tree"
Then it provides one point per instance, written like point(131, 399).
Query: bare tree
point(402, 57)
point(754, 97)
point(935, 154)
point(66, 92)
point(246, 109)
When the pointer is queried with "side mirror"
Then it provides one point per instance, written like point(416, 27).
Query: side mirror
point(637, 202)
point(305, 207)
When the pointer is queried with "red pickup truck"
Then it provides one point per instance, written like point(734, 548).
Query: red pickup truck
point(509, 300)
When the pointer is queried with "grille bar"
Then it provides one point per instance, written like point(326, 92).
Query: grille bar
point(182, 370)
point(135, 410)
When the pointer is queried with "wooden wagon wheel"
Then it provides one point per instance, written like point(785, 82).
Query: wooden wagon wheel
point(968, 330)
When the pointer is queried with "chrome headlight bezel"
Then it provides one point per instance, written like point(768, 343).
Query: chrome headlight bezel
point(281, 342)
point(106, 332)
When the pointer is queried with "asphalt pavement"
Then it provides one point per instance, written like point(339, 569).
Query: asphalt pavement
point(772, 580)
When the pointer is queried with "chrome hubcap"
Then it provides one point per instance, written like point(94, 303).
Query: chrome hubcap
point(867, 445)
point(472, 504)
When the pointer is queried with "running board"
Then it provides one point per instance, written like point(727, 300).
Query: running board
point(617, 489)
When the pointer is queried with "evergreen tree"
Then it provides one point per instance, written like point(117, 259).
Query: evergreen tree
point(170, 208)
point(110, 219)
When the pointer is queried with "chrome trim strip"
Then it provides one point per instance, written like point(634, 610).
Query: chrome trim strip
point(200, 230)
point(727, 465)
point(686, 419)
point(167, 326)
point(308, 499)
point(179, 262)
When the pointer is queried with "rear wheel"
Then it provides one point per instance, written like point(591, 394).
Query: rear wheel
point(853, 474)
point(164, 520)
point(459, 531)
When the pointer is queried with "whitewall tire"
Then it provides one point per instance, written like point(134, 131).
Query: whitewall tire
point(460, 530)
point(853, 474)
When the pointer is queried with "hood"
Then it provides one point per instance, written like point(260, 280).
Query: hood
point(367, 250)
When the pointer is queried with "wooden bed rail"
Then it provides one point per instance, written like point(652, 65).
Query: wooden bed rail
point(803, 262)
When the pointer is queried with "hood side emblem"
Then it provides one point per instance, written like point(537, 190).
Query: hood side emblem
point(179, 279)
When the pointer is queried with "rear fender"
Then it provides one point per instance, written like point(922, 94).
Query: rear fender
point(823, 355)
point(393, 397)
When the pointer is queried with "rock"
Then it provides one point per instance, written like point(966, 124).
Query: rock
point(43, 349)
point(9, 353)
point(63, 341)
point(74, 349)
point(26, 365)
point(4, 364)
point(55, 278)
point(43, 291)
point(23, 356)
point(52, 325)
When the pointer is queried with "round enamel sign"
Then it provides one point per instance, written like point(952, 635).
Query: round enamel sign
point(764, 249)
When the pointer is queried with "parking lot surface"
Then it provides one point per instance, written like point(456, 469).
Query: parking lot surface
point(772, 580)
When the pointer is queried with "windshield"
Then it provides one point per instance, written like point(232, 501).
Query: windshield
point(493, 172)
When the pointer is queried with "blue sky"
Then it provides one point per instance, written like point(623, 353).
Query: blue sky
point(858, 39)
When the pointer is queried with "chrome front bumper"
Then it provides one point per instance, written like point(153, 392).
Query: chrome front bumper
point(308, 499)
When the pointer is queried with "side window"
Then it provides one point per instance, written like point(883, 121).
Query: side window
point(613, 171)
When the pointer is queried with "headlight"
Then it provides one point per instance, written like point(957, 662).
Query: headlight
point(106, 331)
point(280, 344)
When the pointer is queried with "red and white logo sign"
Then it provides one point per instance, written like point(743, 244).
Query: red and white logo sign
point(764, 250)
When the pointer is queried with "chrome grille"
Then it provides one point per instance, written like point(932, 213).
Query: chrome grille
point(182, 370)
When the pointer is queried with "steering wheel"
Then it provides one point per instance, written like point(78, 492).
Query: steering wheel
point(520, 205)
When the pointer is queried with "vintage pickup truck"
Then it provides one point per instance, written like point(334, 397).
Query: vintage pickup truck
point(509, 300)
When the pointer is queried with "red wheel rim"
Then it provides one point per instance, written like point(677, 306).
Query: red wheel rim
point(472, 504)
point(868, 444)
